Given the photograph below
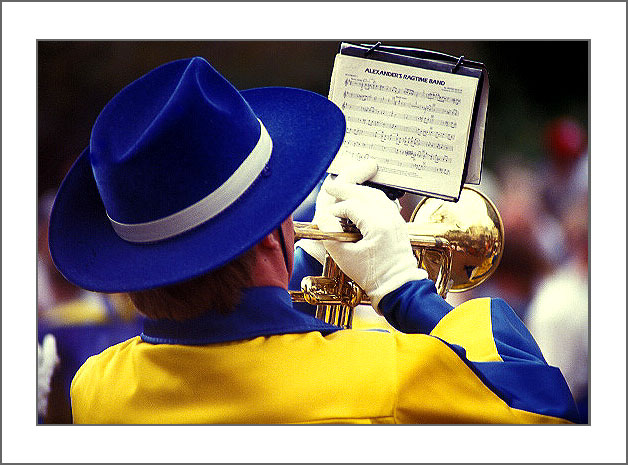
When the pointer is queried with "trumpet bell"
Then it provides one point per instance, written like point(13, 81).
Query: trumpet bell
point(475, 233)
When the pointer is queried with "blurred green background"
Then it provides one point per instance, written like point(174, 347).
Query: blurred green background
point(531, 83)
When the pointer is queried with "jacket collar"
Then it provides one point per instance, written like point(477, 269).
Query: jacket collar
point(263, 311)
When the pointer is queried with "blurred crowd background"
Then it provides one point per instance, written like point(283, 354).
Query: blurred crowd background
point(535, 169)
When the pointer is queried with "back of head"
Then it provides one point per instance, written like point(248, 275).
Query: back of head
point(219, 290)
point(183, 174)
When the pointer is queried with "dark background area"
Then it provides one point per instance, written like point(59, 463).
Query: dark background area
point(531, 83)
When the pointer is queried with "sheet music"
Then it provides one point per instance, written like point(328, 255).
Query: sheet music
point(414, 122)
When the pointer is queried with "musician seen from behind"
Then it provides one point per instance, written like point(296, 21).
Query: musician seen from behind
point(183, 199)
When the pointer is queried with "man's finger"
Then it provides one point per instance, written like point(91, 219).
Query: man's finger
point(328, 222)
point(342, 190)
point(350, 210)
point(361, 171)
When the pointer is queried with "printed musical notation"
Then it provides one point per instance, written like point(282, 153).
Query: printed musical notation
point(431, 108)
point(416, 128)
point(408, 141)
point(410, 166)
point(427, 120)
point(407, 153)
point(398, 100)
point(366, 85)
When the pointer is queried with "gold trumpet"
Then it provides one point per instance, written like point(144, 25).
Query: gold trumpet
point(459, 244)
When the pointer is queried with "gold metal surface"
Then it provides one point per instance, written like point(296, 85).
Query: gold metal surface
point(459, 244)
point(474, 231)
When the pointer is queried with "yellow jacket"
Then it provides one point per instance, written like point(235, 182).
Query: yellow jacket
point(269, 363)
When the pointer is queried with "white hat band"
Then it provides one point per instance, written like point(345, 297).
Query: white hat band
point(206, 208)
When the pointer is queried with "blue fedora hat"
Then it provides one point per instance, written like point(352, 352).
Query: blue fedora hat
point(183, 173)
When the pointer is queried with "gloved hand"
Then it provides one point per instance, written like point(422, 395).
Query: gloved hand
point(382, 260)
point(361, 172)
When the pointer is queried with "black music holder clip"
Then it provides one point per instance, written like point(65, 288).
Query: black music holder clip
point(372, 48)
point(457, 65)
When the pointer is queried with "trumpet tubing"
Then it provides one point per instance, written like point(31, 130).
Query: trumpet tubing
point(459, 244)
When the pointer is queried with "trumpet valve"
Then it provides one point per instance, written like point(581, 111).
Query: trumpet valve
point(322, 290)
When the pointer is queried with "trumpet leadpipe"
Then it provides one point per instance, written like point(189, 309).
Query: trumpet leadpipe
point(304, 230)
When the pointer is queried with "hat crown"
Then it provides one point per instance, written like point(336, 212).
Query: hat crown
point(169, 139)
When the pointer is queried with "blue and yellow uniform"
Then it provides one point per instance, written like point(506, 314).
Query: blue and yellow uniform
point(267, 362)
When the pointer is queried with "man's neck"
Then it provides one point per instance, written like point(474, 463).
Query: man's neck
point(269, 269)
point(274, 257)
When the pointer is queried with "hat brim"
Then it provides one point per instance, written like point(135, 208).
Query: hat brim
point(307, 131)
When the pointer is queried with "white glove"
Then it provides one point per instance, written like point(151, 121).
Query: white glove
point(382, 260)
point(314, 249)
point(361, 172)
point(47, 360)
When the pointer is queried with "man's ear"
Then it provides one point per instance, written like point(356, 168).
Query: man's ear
point(270, 241)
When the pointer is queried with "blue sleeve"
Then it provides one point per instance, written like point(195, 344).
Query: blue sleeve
point(492, 341)
point(415, 307)
point(304, 265)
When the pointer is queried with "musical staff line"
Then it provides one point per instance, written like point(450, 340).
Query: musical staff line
point(407, 140)
point(430, 108)
point(385, 165)
point(428, 120)
point(413, 154)
point(398, 100)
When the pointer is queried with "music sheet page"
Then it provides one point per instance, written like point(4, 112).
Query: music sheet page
point(414, 122)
